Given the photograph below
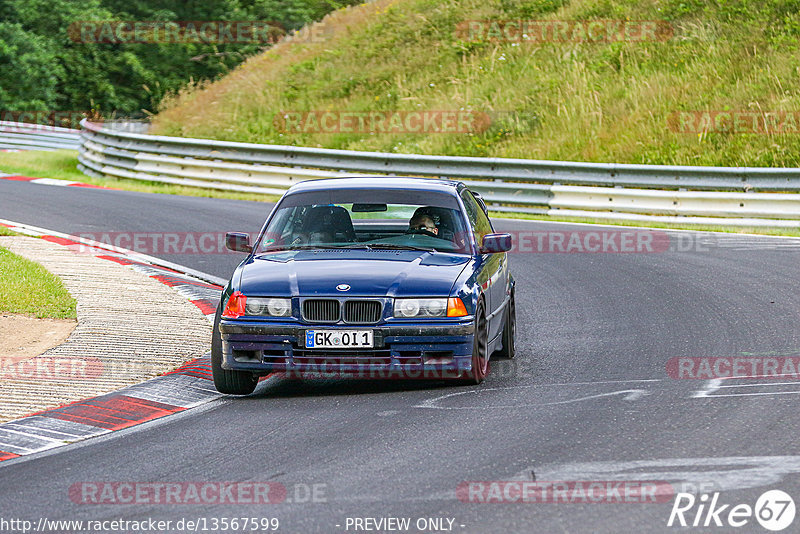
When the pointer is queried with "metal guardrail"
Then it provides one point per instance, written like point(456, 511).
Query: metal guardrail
point(729, 196)
point(23, 136)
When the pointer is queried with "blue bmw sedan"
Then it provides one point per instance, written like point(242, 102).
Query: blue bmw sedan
point(371, 277)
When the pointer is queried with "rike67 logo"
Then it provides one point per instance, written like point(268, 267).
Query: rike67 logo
point(774, 510)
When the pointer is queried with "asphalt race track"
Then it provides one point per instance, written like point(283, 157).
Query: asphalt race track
point(588, 397)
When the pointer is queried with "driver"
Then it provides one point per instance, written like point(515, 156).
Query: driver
point(424, 223)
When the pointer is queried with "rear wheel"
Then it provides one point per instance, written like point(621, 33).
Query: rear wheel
point(509, 331)
point(480, 358)
point(229, 382)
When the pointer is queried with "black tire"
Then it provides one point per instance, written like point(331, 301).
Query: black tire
point(228, 382)
point(509, 331)
point(480, 344)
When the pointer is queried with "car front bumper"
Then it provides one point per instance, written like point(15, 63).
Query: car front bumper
point(407, 350)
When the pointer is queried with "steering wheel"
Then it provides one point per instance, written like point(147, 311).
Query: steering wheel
point(421, 231)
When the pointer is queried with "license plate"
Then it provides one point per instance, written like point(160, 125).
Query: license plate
point(339, 339)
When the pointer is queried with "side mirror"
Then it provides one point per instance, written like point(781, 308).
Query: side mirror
point(493, 243)
point(238, 242)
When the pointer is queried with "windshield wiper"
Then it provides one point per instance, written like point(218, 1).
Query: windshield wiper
point(365, 246)
point(391, 246)
point(298, 247)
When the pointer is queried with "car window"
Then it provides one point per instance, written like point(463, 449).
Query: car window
point(373, 224)
point(477, 218)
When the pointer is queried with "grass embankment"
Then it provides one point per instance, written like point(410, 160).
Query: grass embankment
point(590, 101)
point(62, 165)
point(572, 101)
point(28, 288)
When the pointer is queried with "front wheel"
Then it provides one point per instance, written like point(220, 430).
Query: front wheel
point(509, 331)
point(228, 382)
point(480, 358)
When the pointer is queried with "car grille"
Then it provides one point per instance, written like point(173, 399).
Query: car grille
point(362, 311)
point(321, 310)
point(353, 311)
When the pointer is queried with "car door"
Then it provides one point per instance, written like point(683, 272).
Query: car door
point(493, 274)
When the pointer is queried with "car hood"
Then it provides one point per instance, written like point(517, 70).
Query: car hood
point(368, 273)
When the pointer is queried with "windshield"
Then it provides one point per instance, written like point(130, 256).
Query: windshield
point(385, 222)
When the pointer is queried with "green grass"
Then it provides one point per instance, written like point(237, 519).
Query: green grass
point(6, 232)
point(62, 165)
point(28, 288)
point(597, 102)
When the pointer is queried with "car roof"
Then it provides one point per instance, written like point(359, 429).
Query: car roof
point(378, 182)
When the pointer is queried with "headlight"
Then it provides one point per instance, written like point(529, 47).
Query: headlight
point(271, 307)
point(407, 308)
